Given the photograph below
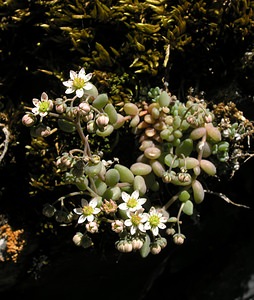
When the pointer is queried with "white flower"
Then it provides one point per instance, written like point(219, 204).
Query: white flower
point(87, 211)
point(155, 221)
point(43, 106)
point(136, 221)
point(78, 82)
point(131, 202)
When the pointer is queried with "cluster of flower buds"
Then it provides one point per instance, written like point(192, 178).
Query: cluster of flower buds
point(178, 146)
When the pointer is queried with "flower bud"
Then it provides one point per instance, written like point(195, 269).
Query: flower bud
point(84, 108)
point(178, 238)
point(102, 120)
point(88, 117)
point(48, 210)
point(64, 162)
point(162, 242)
point(71, 112)
point(117, 226)
point(155, 248)
point(60, 106)
point(170, 231)
point(137, 244)
point(109, 207)
point(92, 227)
point(29, 120)
point(40, 130)
point(124, 246)
point(61, 216)
point(82, 240)
point(77, 238)
point(91, 126)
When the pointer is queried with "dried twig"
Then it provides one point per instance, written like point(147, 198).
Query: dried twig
point(224, 197)
point(6, 141)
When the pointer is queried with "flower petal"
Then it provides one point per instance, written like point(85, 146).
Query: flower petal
point(141, 227)
point(93, 203)
point(44, 97)
point(78, 211)
point(147, 226)
point(155, 231)
point(80, 93)
point(68, 83)
point(35, 110)
point(69, 90)
point(36, 102)
point(88, 76)
point(123, 206)
point(90, 218)
point(127, 222)
point(96, 210)
point(133, 230)
point(162, 226)
point(81, 219)
point(125, 196)
point(135, 194)
point(73, 74)
point(82, 73)
point(84, 202)
point(142, 201)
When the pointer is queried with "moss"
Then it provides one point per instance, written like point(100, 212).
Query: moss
point(44, 39)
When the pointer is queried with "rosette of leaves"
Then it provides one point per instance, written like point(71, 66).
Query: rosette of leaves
point(181, 144)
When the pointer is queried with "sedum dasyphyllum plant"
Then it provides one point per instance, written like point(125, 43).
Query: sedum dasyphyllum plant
point(179, 145)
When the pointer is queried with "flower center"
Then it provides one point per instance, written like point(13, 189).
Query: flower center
point(132, 202)
point(135, 220)
point(154, 220)
point(87, 210)
point(44, 106)
point(78, 83)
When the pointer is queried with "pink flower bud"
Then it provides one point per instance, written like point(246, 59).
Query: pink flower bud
point(29, 120)
point(102, 120)
point(84, 108)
